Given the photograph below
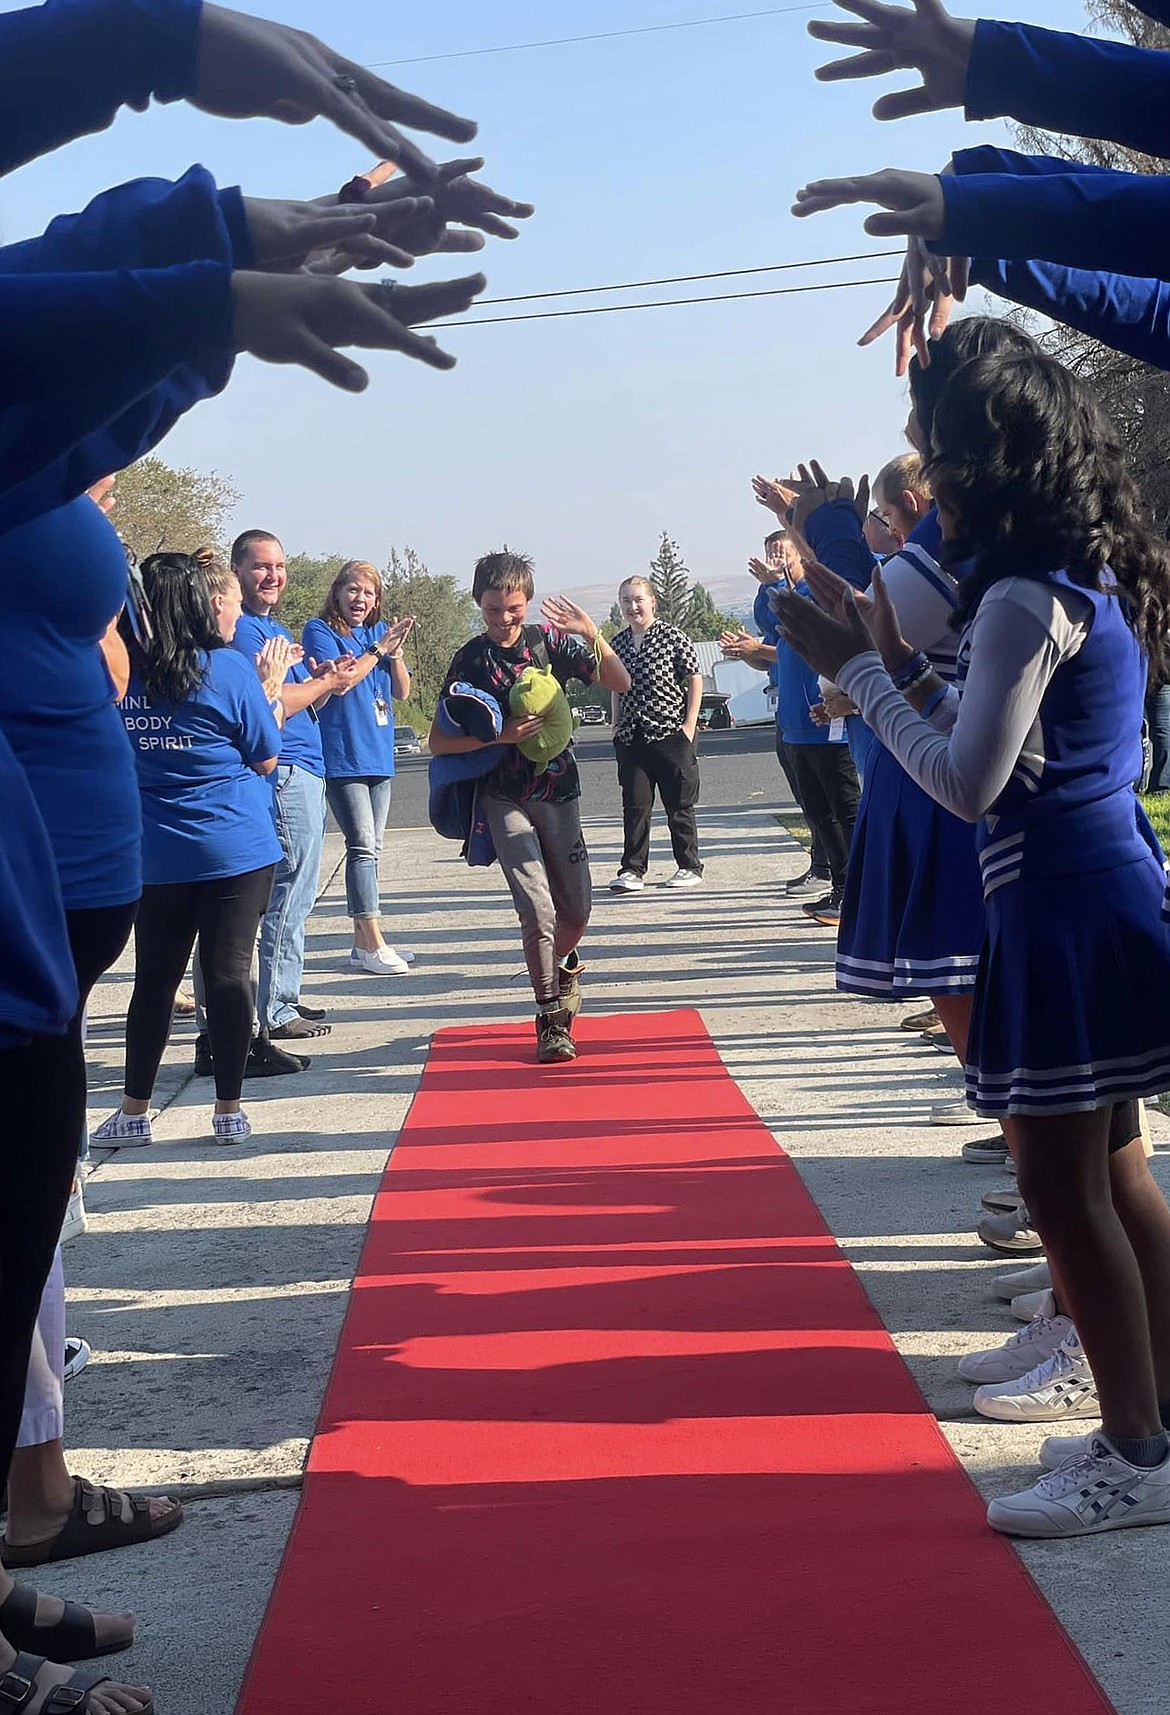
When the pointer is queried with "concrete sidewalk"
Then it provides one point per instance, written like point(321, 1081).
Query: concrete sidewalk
point(212, 1282)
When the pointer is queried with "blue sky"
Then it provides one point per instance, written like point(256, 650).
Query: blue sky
point(579, 440)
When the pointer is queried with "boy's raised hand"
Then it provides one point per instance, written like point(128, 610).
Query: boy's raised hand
point(564, 615)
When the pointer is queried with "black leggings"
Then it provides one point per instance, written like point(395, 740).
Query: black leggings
point(42, 1098)
point(225, 915)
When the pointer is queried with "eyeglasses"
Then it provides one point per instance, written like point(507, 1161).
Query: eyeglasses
point(875, 517)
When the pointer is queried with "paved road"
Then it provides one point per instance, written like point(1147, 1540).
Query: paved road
point(739, 768)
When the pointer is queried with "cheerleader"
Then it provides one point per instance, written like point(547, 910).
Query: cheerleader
point(912, 921)
point(1067, 598)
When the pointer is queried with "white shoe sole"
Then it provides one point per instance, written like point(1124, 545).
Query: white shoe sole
point(1010, 1521)
point(1034, 1279)
point(1025, 1408)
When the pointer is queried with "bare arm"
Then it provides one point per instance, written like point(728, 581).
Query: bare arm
point(694, 699)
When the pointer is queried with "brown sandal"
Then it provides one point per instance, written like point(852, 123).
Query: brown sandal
point(18, 1687)
point(97, 1521)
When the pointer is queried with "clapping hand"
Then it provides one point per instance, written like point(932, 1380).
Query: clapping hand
point(334, 676)
point(564, 615)
point(925, 39)
point(824, 641)
point(395, 635)
point(766, 574)
point(329, 236)
point(838, 599)
point(812, 489)
point(773, 494)
point(273, 663)
point(735, 645)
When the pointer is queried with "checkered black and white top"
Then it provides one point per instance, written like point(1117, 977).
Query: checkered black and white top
point(656, 701)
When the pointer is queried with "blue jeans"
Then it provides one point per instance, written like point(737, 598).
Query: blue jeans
point(1158, 715)
point(360, 807)
point(300, 827)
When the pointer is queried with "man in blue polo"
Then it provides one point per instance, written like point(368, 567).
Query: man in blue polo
point(258, 561)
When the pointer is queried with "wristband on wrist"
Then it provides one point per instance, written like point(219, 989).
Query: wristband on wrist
point(916, 668)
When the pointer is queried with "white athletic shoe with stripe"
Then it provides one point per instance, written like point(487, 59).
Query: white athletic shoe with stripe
point(1100, 1491)
point(1059, 1388)
point(1058, 1450)
point(1019, 1355)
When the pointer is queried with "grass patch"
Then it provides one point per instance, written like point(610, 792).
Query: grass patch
point(1157, 808)
point(794, 823)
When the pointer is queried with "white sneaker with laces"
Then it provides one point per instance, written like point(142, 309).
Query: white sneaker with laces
point(75, 1222)
point(1021, 1353)
point(231, 1128)
point(1034, 1279)
point(626, 881)
point(127, 1130)
point(1061, 1387)
point(378, 961)
point(1058, 1450)
point(1099, 1492)
point(684, 878)
point(1030, 1304)
point(957, 1113)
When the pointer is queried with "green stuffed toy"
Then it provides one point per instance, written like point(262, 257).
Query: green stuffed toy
point(538, 692)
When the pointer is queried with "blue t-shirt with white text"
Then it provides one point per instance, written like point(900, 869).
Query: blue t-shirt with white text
point(206, 812)
point(357, 730)
point(301, 746)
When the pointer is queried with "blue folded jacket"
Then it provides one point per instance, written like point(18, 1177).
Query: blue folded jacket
point(454, 780)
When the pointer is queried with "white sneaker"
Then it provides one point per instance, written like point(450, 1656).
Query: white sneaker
point(1034, 1279)
point(627, 881)
point(684, 878)
point(1021, 1353)
point(1101, 1491)
point(1061, 1387)
point(405, 954)
point(75, 1222)
point(1058, 1450)
point(78, 1352)
point(955, 1113)
point(231, 1128)
point(127, 1130)
point(988, 1151)
point(807, 886)
point(378, 961)
point(1031, 1304)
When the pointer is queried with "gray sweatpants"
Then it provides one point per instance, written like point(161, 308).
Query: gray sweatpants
point(543, 855)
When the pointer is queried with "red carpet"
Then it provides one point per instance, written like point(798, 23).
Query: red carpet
point(613, 1430)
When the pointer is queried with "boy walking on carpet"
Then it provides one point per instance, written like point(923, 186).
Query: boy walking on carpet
point(531, 811)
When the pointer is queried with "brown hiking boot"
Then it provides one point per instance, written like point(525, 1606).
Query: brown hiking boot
point(553, 1041)
point(569, 974)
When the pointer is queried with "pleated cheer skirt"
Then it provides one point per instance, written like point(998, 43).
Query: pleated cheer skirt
point(912, 919)
point(1072, 1003)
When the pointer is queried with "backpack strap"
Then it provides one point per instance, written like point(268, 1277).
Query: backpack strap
point(537, 648)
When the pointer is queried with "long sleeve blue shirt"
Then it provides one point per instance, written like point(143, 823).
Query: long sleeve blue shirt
point(1076, 85)
point(1130, 313)
point(67, 67)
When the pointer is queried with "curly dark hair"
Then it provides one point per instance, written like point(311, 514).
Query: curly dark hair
point(183, 625)
point(974, 336)
point(1034, 474)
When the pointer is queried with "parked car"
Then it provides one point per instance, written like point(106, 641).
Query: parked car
point(406, 742)
point(714, 714)
point(592, 715)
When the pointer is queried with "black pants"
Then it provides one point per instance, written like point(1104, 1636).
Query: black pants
point(818, 861)
point(225, 915)
point(829, 796)
point(671, 766)
point(42, 1099)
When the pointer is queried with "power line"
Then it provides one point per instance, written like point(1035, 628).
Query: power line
point(688, 279)
point(662, 303)
point(598, 36)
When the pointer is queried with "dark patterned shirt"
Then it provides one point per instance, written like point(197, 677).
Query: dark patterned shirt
point(490, 667)
point(656, 703)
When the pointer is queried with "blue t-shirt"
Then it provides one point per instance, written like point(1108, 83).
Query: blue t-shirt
point(206, 813)
point(38, 986)
point(62, 580)
point(301, 746)
point(357, 730)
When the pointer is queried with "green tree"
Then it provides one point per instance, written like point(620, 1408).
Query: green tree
point(705, 622)
point(672, 582)
point(1136, 395)
point(309, 577)
point(158, 507)
point(445, 618)
point(616, 618)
